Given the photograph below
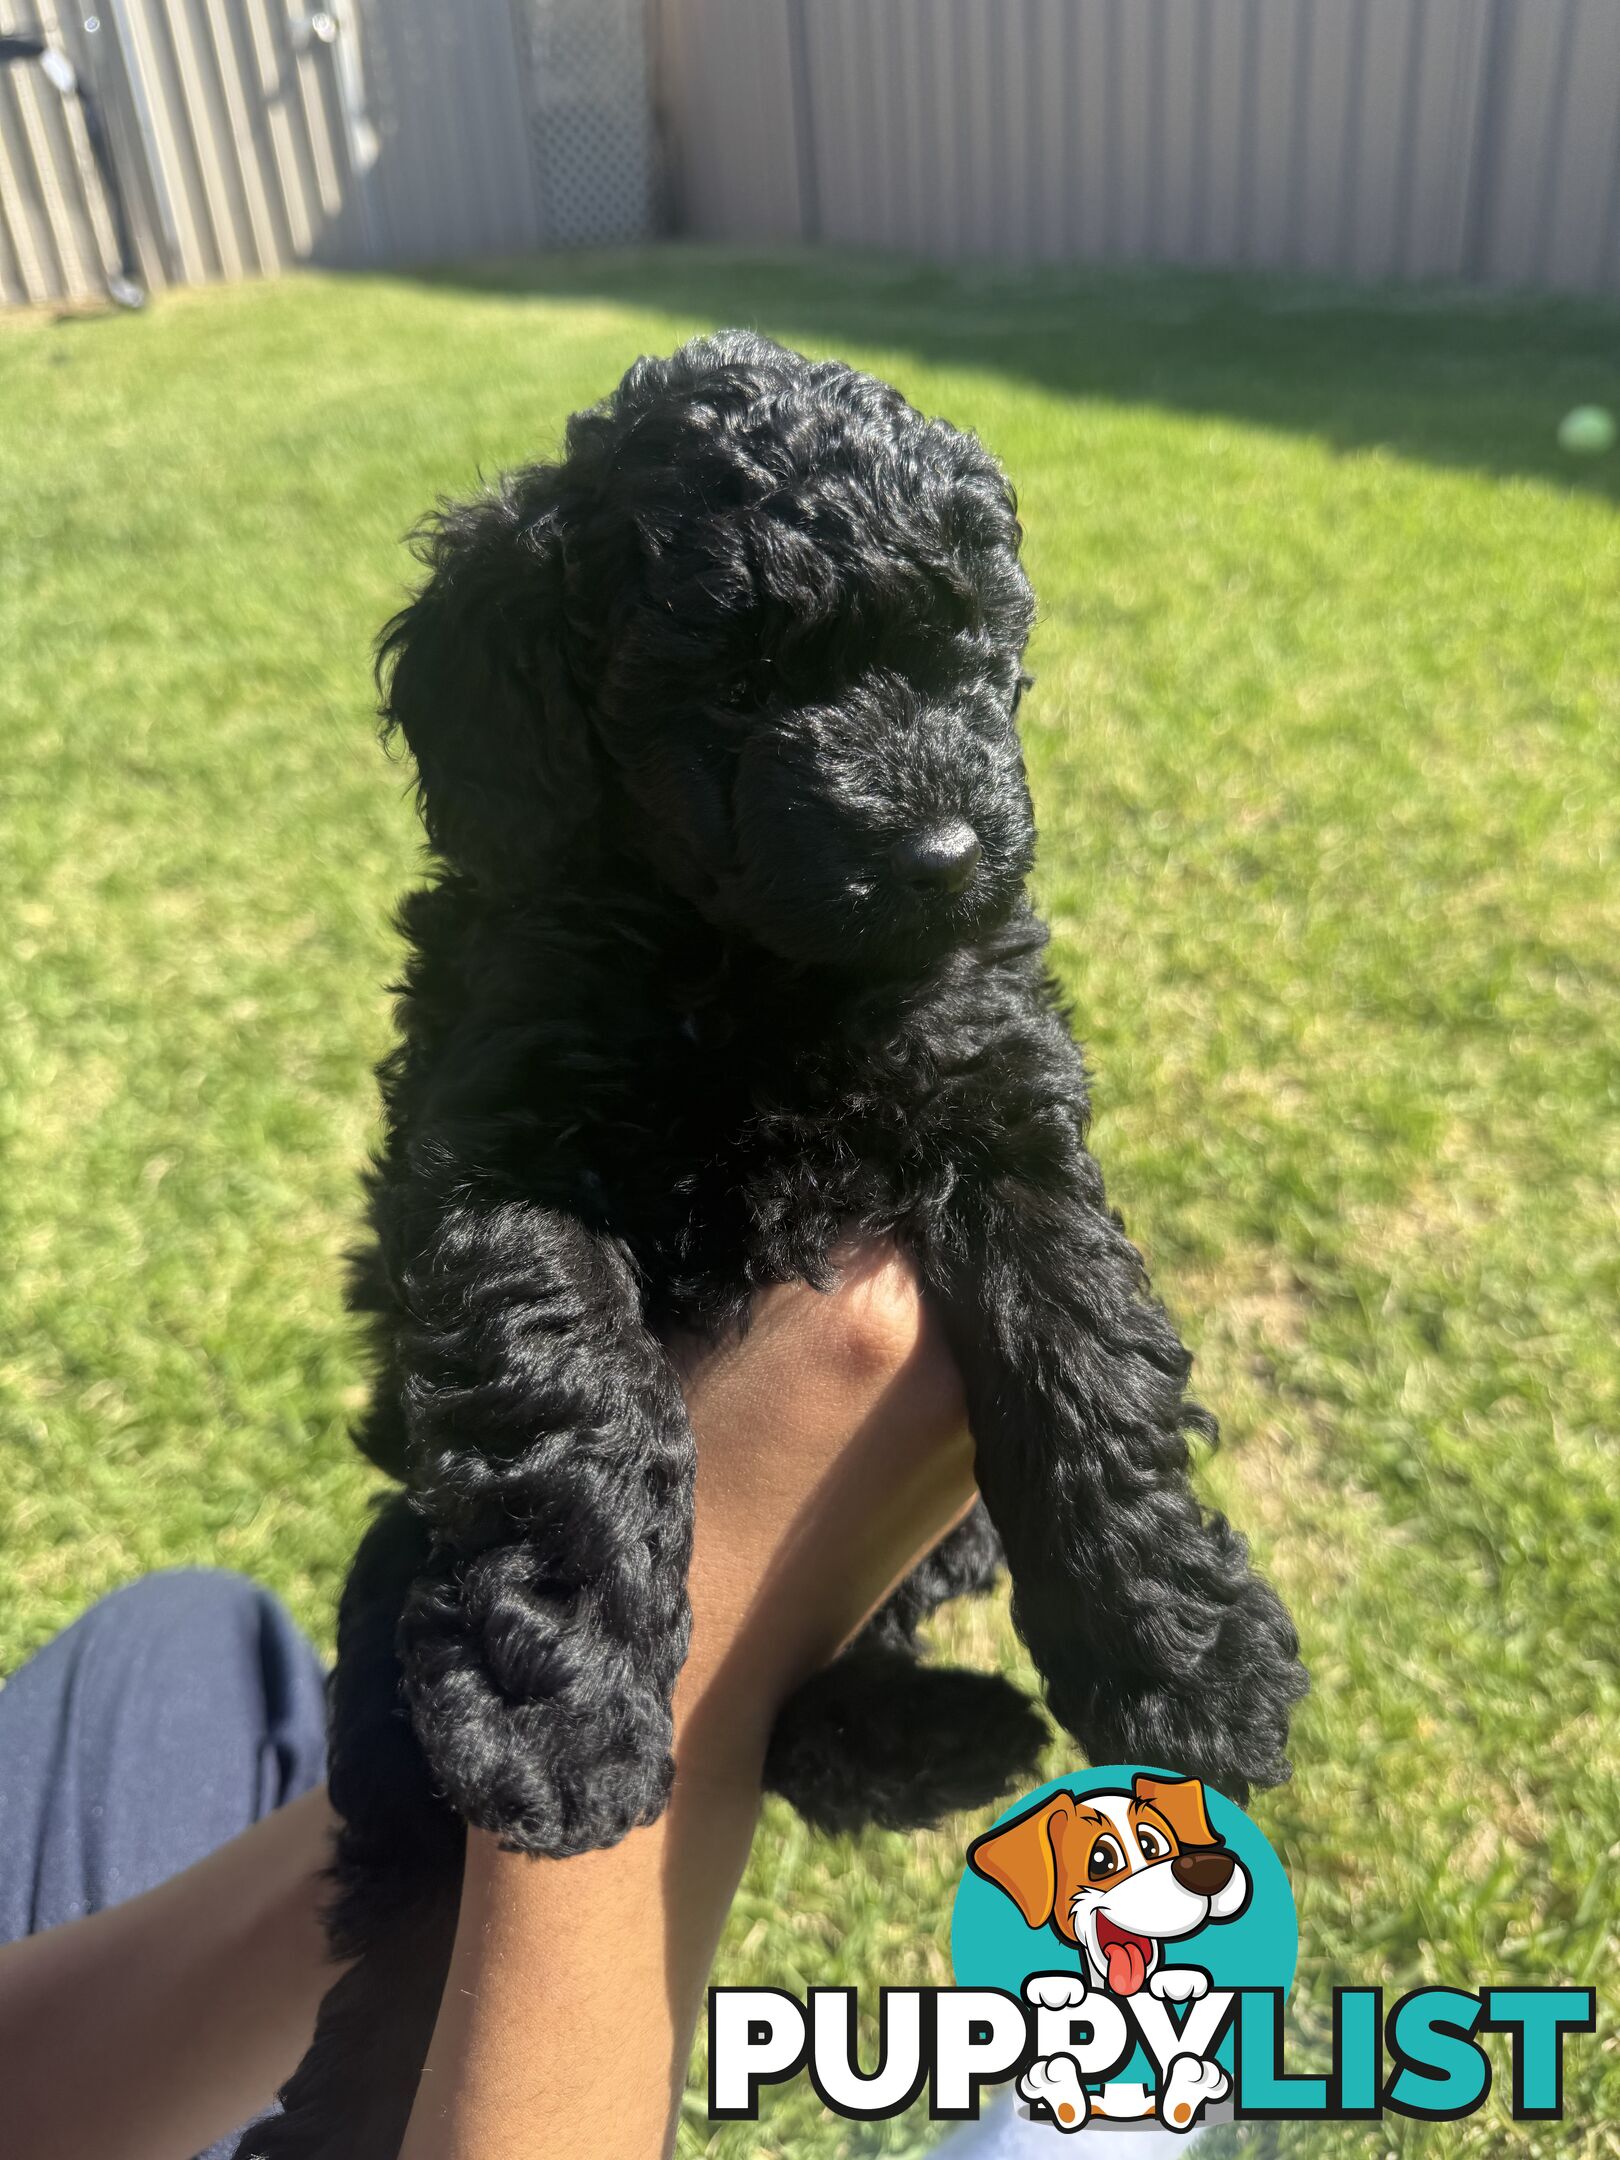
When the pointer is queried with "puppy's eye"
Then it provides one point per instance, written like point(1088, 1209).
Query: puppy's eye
point(732, 717)
point(1024, 684)
point(1153, 1846)
point(740, 694)
point(1106, 1859)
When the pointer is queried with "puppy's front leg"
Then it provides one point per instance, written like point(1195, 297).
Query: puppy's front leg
point(1157, 1642)
point(549, 1450)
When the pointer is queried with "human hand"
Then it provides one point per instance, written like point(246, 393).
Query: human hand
point(833, 1452)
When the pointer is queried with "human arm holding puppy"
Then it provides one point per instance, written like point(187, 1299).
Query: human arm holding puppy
point(575, 1985)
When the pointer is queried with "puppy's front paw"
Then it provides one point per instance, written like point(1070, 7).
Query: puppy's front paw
point(1179, 1983)
point(1055, 2082)
point(536, 1729)
point(1190, 2085)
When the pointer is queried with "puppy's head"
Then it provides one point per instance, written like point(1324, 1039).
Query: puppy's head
point(759, 635)
point(1117, 1874)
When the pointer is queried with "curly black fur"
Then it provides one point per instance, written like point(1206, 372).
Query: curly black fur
point(687, 1006)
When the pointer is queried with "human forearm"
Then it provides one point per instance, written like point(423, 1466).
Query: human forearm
point(575, 1986)
point(157, 2026)
point(831, 1450)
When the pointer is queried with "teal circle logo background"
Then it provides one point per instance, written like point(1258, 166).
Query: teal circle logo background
point(992, 1947)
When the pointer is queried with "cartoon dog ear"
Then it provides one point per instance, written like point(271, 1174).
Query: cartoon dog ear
point(1021, 1858)
point(475, 678)
point(1181, 1802)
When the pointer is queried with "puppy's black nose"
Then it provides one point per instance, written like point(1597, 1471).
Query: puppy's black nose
point(1203, 1872)
point(943, 856)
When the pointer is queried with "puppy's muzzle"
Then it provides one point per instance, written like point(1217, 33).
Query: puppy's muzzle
point(942, 858)
point(1205, 1874)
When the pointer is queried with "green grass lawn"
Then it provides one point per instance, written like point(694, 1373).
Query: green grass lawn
point(1325, 750)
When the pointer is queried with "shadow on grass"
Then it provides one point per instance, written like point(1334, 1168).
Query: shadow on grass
point(1442, 375)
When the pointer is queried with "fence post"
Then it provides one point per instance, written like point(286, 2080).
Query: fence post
point(1480, 202)
point(804, 120)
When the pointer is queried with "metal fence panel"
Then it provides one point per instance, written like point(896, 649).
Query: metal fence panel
point(1180, 99)
point(1229, 28)
point(451, 173)
point(53, 227)
point(939, 66)
point(728, 79)
point(1576, 235)
point(1372, 138)
point(1533, 85)
point(255, 134)
point(1367, 138)
point(1445, 136)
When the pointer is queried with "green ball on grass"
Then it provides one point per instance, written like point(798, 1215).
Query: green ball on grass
point(1587, 431)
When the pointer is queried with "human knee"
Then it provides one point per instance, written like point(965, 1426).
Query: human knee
point(171, 1602)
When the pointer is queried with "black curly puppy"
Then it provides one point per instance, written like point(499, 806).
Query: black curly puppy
point(726, 958)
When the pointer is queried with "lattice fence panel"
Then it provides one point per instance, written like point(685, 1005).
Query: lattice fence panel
point(590, 117)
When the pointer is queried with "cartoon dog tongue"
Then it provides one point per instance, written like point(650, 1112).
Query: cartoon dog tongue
point(1125, 1955)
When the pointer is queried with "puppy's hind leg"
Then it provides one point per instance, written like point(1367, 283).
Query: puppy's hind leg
point(880, 1737)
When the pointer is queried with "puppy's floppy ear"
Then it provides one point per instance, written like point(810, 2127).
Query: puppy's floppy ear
point(1181, 1802)
point(1021, 1858)
point(475, 676)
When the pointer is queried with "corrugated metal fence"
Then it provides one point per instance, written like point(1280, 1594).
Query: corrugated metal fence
point(1375, 138)
point(1378, 138)
point(251, 134)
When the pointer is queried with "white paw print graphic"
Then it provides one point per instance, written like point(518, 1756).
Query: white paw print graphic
point(1188, 2088)
point(1056, 2080)
point(1179, 1983)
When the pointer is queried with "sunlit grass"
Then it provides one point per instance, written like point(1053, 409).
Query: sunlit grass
point(1325, 749)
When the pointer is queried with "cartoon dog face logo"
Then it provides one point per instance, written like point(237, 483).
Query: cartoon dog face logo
point(1117, 1874)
